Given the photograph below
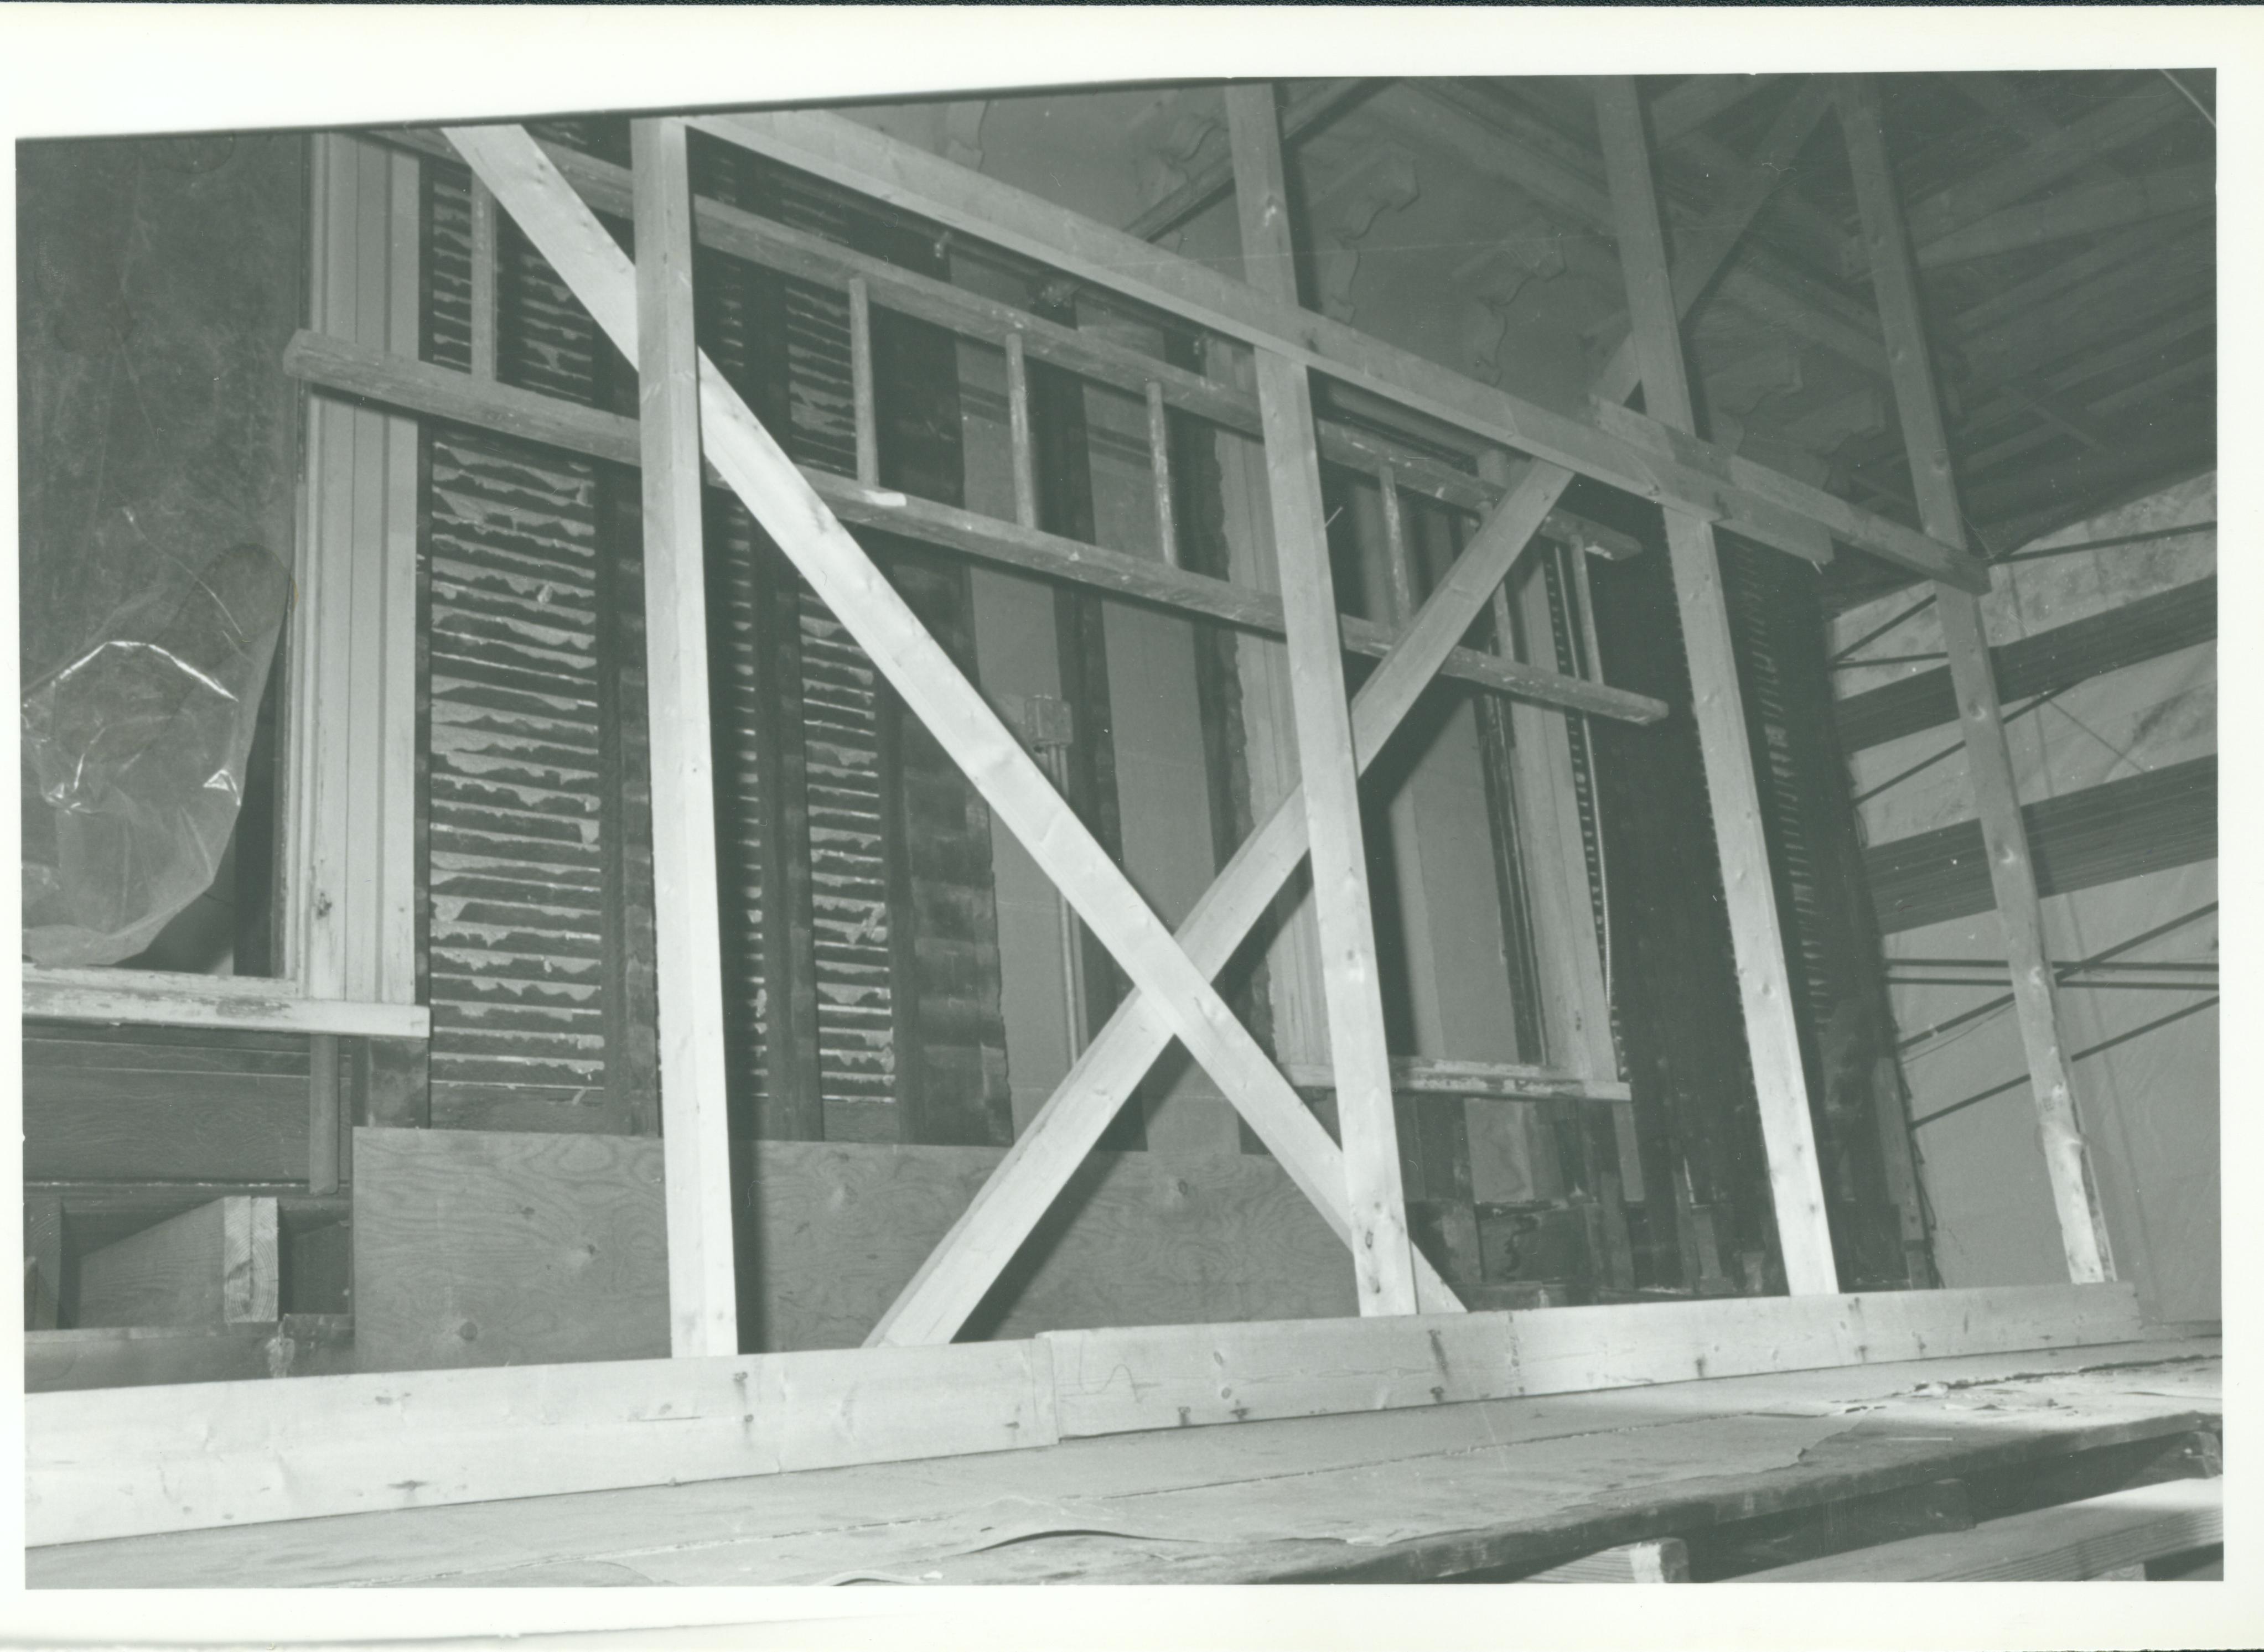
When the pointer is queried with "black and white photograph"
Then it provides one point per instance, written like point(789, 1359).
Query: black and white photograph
point(1124, 813)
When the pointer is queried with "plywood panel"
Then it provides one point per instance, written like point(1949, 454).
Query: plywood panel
point(475, 1247)
point(1137, 1238)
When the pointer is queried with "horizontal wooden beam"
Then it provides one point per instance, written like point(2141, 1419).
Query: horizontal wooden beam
point(115, 1464)
point(776, 246)
point(1424, 1076)
point(2077, 212)
point(156, 998)
point(1791, 517)
point(418, 387)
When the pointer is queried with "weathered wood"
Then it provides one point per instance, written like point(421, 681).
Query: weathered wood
point(156, 998)
point(864, 408)
point(43, 1261)
point(2012, 869)
point(1765, 989)
point(213, 1266)
point(916, 665)
point(688, 942)
point(1310, 108)
point(476, 1248)
point(2065, 1544)
point(1665, 1559)
point(1328, 768)
point(549, 419)
point(1424, 1074)
point(1699, 99)
point(1159, 469)
point(2075, 213)
point(952, 1281)
point(483, 282)
point(1717, 484)
point(1018, 437)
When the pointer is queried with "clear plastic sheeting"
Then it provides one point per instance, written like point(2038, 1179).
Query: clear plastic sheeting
point(135, 746)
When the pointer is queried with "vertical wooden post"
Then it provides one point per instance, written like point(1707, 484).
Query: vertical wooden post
point(703, 1316)
point(2003, 836)
point(1159, 465)
point(1382, 1253)
point(1764, 983)
point(323, 1114)
point(1396, 569)
point(1018, 437)
point(484, 281)
point(863, 410)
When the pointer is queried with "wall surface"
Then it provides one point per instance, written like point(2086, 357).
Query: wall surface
point(2149, 1104)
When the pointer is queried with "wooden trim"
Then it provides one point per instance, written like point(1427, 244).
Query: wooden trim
point(1691, 474)
point(445, 394)
point(1764, 983)
point(917, 668)
point(1351, 982)
point(703, 1307)
point(1508, 1081)
point(140, 998)
point(119, 1463)
point(1989, 761)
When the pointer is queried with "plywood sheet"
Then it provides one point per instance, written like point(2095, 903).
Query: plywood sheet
point(479, 1247)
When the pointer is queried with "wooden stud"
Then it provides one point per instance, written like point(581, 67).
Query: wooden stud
point(2012, 869)
point(323, 1114)
point(1159, 465)
point(950, 1284)
point(1764, 984)
point(484, 281)
point(845, 579)
point(703, 1316)
point(1019, 435)
point(1330, 772)
point(1396, 565)
point(1749, 498)
point(865, 410)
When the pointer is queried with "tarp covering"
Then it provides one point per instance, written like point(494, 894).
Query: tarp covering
point(134, 749)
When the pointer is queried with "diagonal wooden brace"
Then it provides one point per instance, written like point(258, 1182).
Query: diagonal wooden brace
point(953, 1280)
point(529, 185)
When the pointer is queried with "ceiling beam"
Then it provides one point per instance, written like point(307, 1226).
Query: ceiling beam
point(1680, 110)
point(1311, 107)
point(2076, 212)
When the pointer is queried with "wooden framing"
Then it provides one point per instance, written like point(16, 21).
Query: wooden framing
point(1764, 982)
point(157, 998)
point(1635, 455)
point(963, 723)
point(2012, 869)
point(105, 1463)
point(1330, 772)
point(703, 1311)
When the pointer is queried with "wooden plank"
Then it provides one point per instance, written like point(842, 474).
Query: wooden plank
point(1328, 769)
point(549, 419)
point(956, 713)
point(1019, 435)
point(323, 1114)
point(1719, 485)
point(954, 1279)
point(1697, 99)
point(1665, 1559)
point(1121, 1381)
point(112, 1464)
point(479, 1247)
point(2011, 870)
point(864, 410)
point(1765, 989)
point(143, 1356)
point(156, 998)
point(1424, 1074)
point(484, 281)
point(1159, 469)
point(1310, 108)
point(43, 1261)
point(212, 1267)
point(2068, 1543)
point(687, 937)
point(2076, 212)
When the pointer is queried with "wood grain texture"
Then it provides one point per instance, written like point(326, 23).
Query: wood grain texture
point(1989, 761)
point(1328, 766)
point(301, 1344)
point(2071, 1542)
point(170, 1459)
point(702, 1314)
point(473, 1248)
point(210, 1267)
point(1661, 1561)
point(1137, 1239)
point(148, 998)
point(1772, 1035)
